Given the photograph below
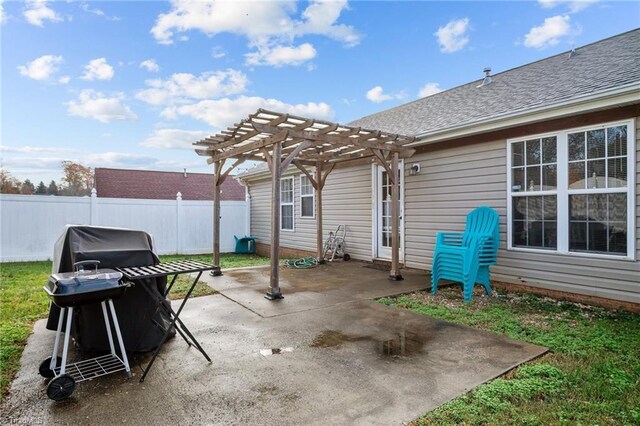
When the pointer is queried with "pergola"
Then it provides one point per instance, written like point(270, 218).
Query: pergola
point(281, 140)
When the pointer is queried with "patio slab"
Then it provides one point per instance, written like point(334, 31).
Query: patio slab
point(355, 362)
point(319, 287)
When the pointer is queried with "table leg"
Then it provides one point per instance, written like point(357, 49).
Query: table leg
point(175, 318)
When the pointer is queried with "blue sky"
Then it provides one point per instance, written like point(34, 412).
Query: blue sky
point(133, 84)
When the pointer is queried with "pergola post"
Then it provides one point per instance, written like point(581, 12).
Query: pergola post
point(394, 274)
point(319, 240)
point(217, 181)
point(274, 283)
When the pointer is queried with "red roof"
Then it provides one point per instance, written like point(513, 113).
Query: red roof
point(122, 183)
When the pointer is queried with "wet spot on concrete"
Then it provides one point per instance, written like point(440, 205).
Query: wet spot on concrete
point(333, 338)
point(405, 343)
point(402, 343)
point(244, 277)
point(275, 351)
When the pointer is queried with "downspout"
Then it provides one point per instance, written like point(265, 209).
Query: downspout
point(247, 204)
point(247, 199)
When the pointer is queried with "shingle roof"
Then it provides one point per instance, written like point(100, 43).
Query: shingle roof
point(606, 64)
point(145, 184)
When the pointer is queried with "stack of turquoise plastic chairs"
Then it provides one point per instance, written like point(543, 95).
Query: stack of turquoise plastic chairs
point(465, 257)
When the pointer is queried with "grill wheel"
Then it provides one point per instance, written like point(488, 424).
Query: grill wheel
point(61, 387)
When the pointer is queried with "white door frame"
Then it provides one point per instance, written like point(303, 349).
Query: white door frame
point(374, 212)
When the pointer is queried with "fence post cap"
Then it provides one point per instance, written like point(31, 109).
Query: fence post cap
point(94, 193)
point(179, 196)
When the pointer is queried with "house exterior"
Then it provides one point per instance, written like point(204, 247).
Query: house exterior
point(553, 146)
point(146, 184)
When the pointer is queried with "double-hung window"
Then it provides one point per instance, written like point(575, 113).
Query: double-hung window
point(573, 191)
point(307, 198)
point(286, 203)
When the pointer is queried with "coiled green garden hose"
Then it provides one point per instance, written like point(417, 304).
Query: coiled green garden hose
point(302, 263)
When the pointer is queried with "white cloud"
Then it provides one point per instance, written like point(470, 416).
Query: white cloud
point(174, 138)
point(255, 20)
point(92, 104)
point(429, 89)
point(36, 149)
point(574, 6)
point(41, 68)
point(150, 65)
point(321, 17)
point(33, 164)
point(278, 56)
point(3, 17)
point(46, 164)
point(98, 12)
point(270, 27)
point(118, 159)
point(549, 33)
point(183, 86)
point(221, 113)
point(98, 69)
point(65, 79)
point(37, 11)
point(452, 37)
point(377, 95)
point(218, 52)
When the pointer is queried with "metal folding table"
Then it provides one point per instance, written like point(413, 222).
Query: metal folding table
point(140, 274)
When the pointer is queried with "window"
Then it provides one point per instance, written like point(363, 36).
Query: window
point(534, 176)
point(307, 198)
point(571, 192)
point(286, 203)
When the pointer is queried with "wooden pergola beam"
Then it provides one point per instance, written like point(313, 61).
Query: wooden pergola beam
point(379, 156)
point(301, 167)
point(294, 154)
point(363, 140)
point(252, 146)
point(271, 136)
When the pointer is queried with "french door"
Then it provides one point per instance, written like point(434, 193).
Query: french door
point(383, 212)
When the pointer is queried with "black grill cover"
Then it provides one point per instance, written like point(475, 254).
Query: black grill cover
point(113, 247)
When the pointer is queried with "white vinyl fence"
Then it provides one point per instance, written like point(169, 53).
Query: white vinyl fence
point(30, 224)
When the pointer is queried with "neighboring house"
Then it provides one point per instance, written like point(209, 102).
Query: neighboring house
point(145, 184)
point(553, 146)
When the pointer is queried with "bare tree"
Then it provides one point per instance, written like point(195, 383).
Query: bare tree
point(78, 179)
point(8, 184)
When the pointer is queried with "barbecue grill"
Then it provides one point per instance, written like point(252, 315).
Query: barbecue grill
point(142, 325)
point(68, 291)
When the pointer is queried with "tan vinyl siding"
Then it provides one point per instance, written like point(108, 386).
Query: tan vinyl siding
point(454, 181)
point(346, 200)
point(451, 183)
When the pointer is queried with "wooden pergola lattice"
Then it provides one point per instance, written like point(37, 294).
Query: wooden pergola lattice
point(281, 140)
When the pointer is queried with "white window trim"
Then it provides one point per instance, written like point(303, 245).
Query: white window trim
point(312, 196)
point(292, 204)
point(563, 192)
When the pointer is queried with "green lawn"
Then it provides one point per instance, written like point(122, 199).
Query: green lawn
point(22, 301)
point(591, 376)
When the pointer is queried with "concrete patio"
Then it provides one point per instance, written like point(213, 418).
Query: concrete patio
point(326, 354)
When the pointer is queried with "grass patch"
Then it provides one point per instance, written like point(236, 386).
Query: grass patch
point(227, 260)
point(591, 375)
point(22, 301)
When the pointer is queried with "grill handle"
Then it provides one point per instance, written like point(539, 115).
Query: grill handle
point(79, 266)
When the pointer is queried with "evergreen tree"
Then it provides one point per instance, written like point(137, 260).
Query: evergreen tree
point(27, 188)
point(41, 189)
point(53, 188)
